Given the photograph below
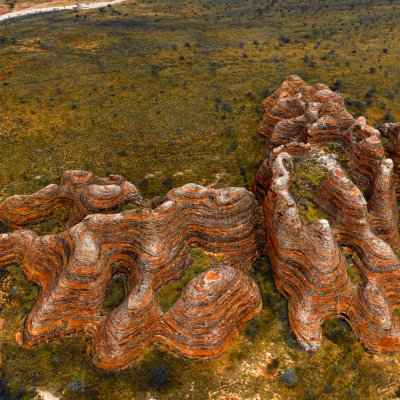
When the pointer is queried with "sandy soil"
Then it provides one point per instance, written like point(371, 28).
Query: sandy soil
point(44, 395)
point(43, 8)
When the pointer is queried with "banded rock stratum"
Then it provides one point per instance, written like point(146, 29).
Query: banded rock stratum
point(323, 207)
point(357, 200)
point(150, 247)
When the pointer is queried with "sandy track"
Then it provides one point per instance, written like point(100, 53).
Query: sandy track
point(84, 6)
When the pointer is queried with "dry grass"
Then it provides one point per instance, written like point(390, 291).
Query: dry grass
point(165, 93)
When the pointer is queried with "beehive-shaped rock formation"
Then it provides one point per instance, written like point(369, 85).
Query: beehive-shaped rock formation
point(152, 248)
point(81, 192)
point(354, 231)
point(311, 261)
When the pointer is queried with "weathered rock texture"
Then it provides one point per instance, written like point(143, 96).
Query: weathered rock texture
point(151, 248)
point(392, 133)
point(311, 262)
point(80, 191)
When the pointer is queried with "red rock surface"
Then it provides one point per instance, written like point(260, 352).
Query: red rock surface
point(361, 217)
point(313, 263)
point(152, 248)
point(80, 191)
point(392, 133)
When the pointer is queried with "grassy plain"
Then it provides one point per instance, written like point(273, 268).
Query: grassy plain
point(165, 93)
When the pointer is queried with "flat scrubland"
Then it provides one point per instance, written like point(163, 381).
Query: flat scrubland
point(166, 93)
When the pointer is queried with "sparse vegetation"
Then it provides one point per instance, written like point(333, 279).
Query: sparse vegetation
point(168, 92)
point(307, 182)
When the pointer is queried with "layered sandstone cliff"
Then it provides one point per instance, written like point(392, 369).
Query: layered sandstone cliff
point(359, 216)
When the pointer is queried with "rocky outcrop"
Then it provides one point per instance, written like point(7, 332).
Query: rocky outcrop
point(312, 261)
point(81, 192)
point(341, 263)
point(213, 308)
point(392, 133)
point(151, 248)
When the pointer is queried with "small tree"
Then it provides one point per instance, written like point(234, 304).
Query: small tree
point(11, 4)
point(283, 38)
point(159, 376)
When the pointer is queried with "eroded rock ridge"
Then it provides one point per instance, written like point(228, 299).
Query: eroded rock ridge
point(356, 232)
